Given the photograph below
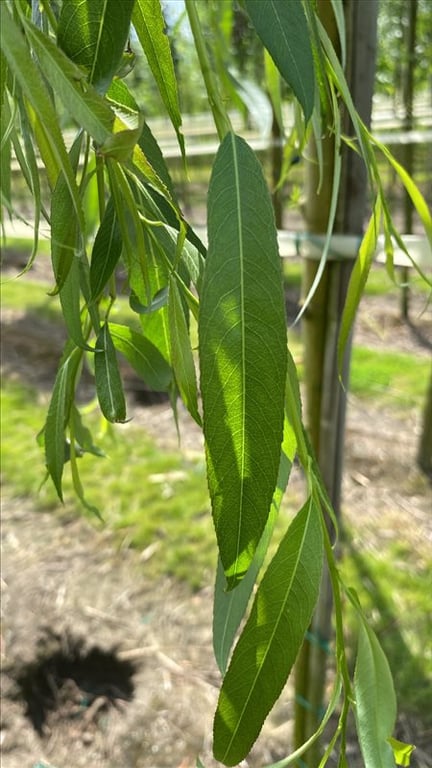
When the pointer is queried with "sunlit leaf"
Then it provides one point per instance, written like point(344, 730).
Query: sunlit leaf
point(242, 342)
point(143, 356)
point(402, 752)
point(230, 607)
point(108, 380)
point(375, 701)
point(271, 639)
point(284, 32)
point(93, 34)
point(149, 24)
point(358, 279)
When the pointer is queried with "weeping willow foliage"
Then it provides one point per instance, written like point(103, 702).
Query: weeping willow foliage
point(63, 63)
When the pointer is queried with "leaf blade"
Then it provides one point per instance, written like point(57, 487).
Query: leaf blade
point(279, 618)
point(108, 381)
point(284, 32)
point(242, 344)
point(143, 356)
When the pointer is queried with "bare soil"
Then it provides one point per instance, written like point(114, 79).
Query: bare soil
point(102, 667)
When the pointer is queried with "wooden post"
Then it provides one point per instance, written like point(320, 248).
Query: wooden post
point(325, 398)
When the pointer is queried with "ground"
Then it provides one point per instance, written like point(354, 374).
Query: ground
point(103, 668)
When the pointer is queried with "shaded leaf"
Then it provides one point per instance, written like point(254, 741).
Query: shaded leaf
point(284, 32)
point(109, 387)
point(26, 72)
point(149, 25)
point(159, 300)
point(143, 356)
point(57, 418)
point(182, 359)
point(93, 34)
point(242, 343)
point(375, 701)
point(271, 639)
point(90, 110)
point(106, 251)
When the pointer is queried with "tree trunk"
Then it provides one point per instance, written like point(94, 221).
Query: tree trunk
point(325, 398)
point(408, 153)
point(424, 456)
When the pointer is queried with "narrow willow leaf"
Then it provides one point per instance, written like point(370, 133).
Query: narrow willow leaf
point(64, 224)
point(108, 381)
point(242, 343)
point(57, 418)
point(93, 34)
point(271, 639)
point(358, 279)
point(67, 81)
point(284, 32)
point(3, 79)
point(143, 356)
point(159, 300)
point(375, 700)
point(106, 251)
point(82, 434)
point(28, 76)
point(230, 607)
point(149, 25)
point(181, 352)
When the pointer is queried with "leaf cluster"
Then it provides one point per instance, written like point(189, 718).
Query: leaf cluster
point(113, 211)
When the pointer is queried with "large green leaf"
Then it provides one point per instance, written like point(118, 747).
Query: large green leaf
point(283, 29)
point(94, 33)
point(149, 25)
point(230, 607)
point(143, 356)
point(67, 81)
point(242, 343)
point(375, 701)
point(271, 639)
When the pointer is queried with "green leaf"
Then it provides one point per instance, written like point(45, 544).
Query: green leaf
point(143, 356)
point(375, 701)
point(28, 75)
point(271, 639)
point(94, 33)
point(181, 351)
point(57, 418)
point(83, 103)
point(106, 251)
point(82, 434)
point(402, 752)
point(108, 381)
point(149, 25)
point(284, 32)
point(230, 607)
point(64, 224)
point(358, 279)
point(242, 343)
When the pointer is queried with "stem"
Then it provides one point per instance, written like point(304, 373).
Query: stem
point(220, 114)
point(50, 15)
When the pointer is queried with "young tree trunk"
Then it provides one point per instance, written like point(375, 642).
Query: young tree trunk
point(325, 398)
point(424, 456)
point(408, 153)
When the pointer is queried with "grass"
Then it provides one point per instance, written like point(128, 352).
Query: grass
point(393, 378)
point(155, 499)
